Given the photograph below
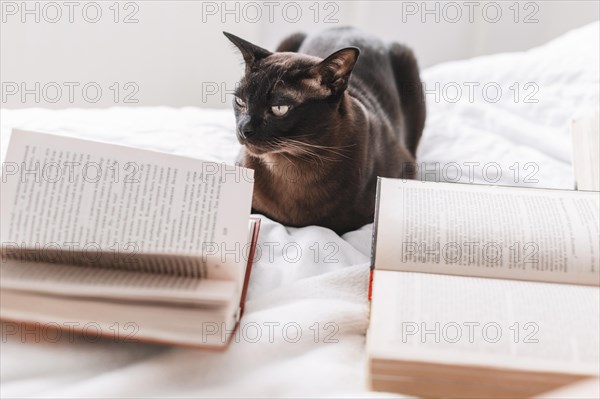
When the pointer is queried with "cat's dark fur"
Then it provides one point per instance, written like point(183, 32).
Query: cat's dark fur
point(349, 120)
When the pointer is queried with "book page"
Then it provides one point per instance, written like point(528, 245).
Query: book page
point(495, 323)
point(88, 198)
point(124, 321)
point(488, 231)
point(586, 152)
point(80, 283)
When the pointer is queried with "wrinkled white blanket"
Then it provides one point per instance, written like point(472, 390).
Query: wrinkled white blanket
point(322, 296)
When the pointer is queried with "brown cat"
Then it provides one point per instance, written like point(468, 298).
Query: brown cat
point(319, 124)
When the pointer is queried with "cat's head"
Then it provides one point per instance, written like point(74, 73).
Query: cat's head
point(288, 98)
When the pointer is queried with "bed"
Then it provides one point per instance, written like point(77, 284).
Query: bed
point(470, 135)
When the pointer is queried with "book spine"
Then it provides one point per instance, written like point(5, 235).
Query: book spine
point(370, 294)
point(374, 236)
point(249, 266)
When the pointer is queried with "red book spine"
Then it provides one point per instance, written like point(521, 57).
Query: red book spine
point(371, 283)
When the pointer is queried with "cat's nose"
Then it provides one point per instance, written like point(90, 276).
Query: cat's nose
point(245, 132)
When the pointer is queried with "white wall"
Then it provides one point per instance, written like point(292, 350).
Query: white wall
point(175, 54)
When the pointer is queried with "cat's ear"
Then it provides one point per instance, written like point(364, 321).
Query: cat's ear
point(250, 52)
point(334, 71)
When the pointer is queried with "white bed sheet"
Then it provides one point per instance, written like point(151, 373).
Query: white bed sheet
point(566, 73)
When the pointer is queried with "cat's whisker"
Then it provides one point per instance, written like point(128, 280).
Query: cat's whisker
point(336, 151)
point(304, 143)
point(303, 152)
point(296, 139)
point(305, 149)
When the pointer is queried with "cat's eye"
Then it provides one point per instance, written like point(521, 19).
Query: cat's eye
point(239, 102)
point(280, 110)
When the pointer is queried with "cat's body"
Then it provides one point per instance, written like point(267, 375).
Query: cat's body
point(354, 121)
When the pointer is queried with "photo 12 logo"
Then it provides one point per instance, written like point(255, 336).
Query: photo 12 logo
point(471, 332)
point(272, 252)
point(270, 11)
point(69, 331)
point(72, 252)
point(71, 171)
point(69, 92)
point(488, 254)
point(472, 171)
point(470, 11)
point(480, 92)
point(289, 332)
point(54, 12)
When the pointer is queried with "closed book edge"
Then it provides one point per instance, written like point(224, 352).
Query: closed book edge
point(31, 326)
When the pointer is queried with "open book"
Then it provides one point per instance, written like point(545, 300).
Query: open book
point(135, 244)
point(585, 133)
point(483, 291)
